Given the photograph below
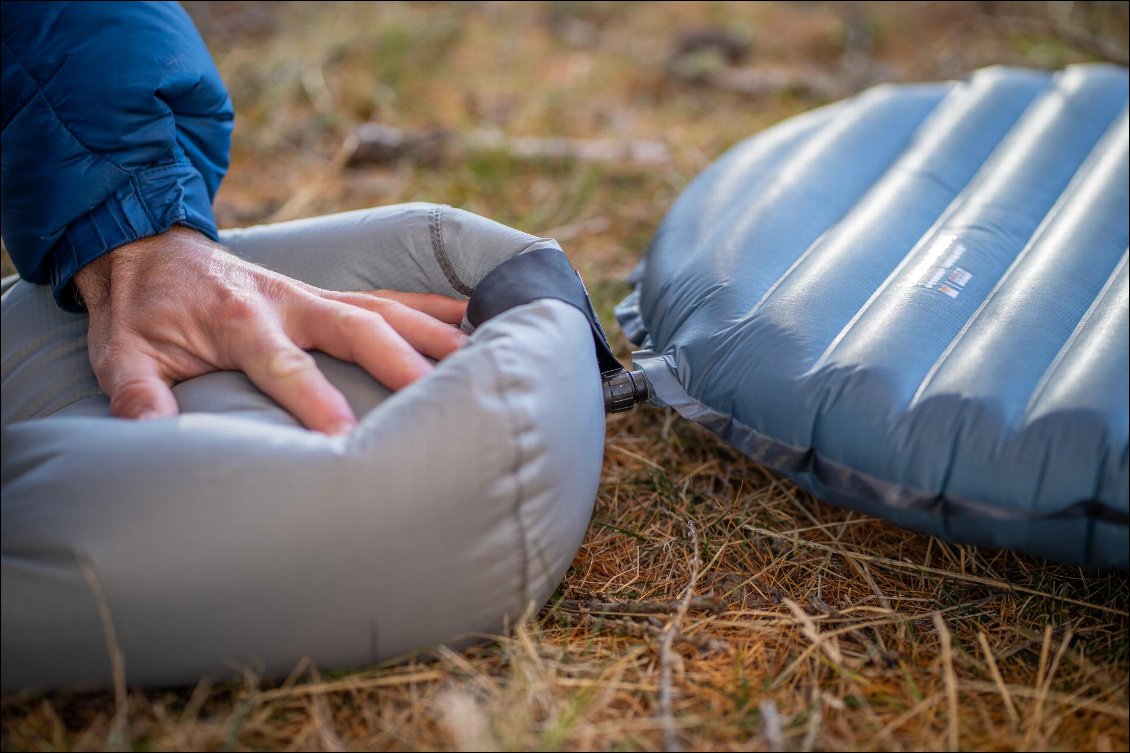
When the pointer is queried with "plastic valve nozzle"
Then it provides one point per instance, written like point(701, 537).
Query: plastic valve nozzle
point(623, 390)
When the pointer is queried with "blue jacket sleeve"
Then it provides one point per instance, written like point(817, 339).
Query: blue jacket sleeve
point(116, 126)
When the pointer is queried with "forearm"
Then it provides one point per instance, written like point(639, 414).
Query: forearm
point(99, 149)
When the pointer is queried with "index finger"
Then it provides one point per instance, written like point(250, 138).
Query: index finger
point(355, 334)
point(289, 375)
point(448, 310)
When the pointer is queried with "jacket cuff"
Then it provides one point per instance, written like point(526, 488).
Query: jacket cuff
point(151, 202)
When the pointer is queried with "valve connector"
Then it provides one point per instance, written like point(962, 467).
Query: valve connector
point(623, 390)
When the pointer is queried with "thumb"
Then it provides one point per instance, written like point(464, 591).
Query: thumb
point(137, 391)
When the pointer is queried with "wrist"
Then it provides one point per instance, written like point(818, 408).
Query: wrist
point(94, 282)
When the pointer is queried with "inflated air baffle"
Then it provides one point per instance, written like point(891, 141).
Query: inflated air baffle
point(913, 303)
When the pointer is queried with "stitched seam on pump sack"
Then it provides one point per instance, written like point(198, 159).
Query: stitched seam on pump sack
point(441, 253)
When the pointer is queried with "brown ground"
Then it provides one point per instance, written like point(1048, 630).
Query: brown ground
point(810, 628)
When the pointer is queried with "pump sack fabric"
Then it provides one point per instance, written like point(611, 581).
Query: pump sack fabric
point(230, 537)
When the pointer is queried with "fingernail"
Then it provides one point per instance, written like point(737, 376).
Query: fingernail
point(148, 415)
point(344, 427)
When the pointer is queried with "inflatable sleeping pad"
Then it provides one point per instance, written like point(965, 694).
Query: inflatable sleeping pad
point(231, 537)
point(913, 303)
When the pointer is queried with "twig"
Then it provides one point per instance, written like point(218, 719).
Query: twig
point(236, 722)
point(638, 628)
point(1041, 671)
point(323, 719)
point(601, 151)
point(667, 640)
point(866, 572)
point(350, 684)
point(634, 456)
point(991, 661)
point(119, 728)
point(950, 680)
point(702, 603)
point(196, 701)
point(1067, 636)
point(808, 627)
point(1072, 702)
point(981, 581)
point(1044, 677)
point(378, 143)
point(875, 651)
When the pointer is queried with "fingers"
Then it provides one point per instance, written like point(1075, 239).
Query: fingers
point(356, 334)
point(189, 310)
point(136, 389)
point(289, 375)
point(421, 330)
point(449, 310)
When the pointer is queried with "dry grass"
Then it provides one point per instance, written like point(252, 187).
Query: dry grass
point(781, 623)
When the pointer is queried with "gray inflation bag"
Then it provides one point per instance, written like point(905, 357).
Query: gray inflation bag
point(913, 303)
point(231, 537)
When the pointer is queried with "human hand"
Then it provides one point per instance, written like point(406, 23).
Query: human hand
point(177, 305)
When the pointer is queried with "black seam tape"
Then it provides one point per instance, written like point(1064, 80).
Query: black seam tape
point(541, 273)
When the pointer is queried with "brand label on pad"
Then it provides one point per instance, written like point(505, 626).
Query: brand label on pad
point(939, 271)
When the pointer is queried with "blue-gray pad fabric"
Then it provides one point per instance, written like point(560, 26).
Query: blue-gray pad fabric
point(914, 304)
point(231, 537)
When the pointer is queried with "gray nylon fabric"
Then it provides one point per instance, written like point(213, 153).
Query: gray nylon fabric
point(914, 304)
point(231, 537)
